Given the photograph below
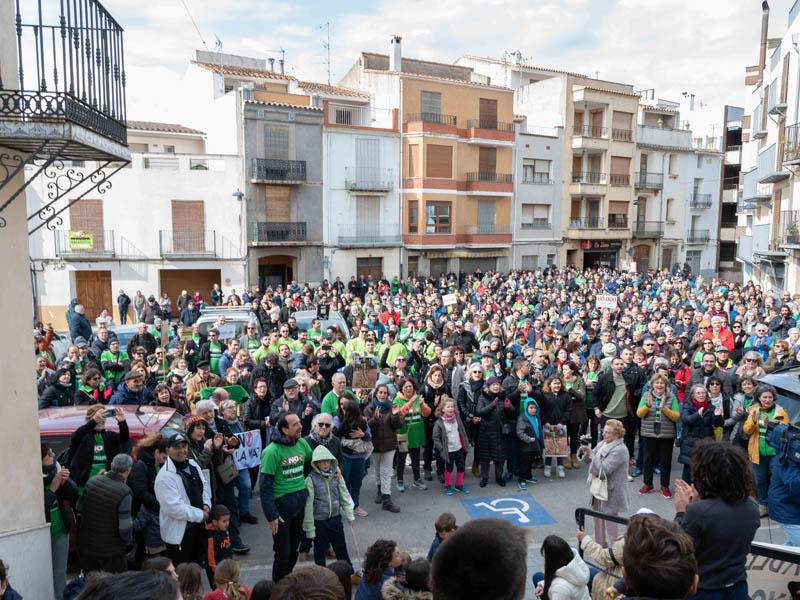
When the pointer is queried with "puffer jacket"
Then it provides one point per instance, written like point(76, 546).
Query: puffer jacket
point(609, 559)
point(555, 408)
point(383, 425)
point(750, 428)
point(395, 589)
point(571, 581)
point(57, 394)
point(142, 481)
point(696, 427)
point(469, 392)
point(491, 445)
point(328, 498)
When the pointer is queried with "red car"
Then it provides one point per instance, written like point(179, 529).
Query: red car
point(57, 424)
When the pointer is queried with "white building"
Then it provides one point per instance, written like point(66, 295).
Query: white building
point(169, 222)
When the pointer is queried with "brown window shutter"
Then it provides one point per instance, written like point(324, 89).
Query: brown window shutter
point(785, 78)
point(621, 120)
point(615, 207)
point(487, 160)
point(413, 160)
point(278, 201)
point(188, 219)
point(439, 161)
point(746, 121)
point(413, 216)
point(487, 110)
point(87, 215)
point(781, 134)
point(620, 165)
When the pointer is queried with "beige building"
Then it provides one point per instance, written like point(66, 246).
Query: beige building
point(43, 119)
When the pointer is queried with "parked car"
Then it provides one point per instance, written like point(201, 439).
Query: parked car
point(305, 317)
point(787, 384)
point(238, 316)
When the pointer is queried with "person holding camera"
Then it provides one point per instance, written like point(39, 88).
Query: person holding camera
point(92, 447)
point(659, 411)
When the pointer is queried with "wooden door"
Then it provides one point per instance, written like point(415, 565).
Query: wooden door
point(643, 165)
point(369, 266)
point(188, 222)
point(597, 118)
point(487, 113)
point(413, 266)
point(87, 215)
point(641, 255)
point(578, 119)
point(278, 200)
point(577, 167)
point(93, 289)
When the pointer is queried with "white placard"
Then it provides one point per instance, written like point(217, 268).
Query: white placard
point(248, 454)
point(606, 301)
point(227, 331)
point(449, 299)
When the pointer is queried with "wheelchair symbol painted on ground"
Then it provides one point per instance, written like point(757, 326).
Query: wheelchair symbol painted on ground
point(507, 508)
point(520, 509)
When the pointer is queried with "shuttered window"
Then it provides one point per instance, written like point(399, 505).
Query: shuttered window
point(413, 216)
point(87, 215)
point(188, 218)
point(278, 200)
point(620, 170)
point(413, 160)
point(368, 154)
point(431, 103)
point(276, 141)
point(439, 161)
point(486, 216)
point(487, 112)
point(617, 208)
point(530, 261)
point(621, 120)
point(368, 210)
point(487, 160)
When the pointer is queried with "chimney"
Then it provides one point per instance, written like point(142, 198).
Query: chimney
point(762, 58)
point(271, 64)
point(395, 54)
point(280, 65)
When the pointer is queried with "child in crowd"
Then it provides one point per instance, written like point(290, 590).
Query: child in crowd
point(450, 441)
point(218, 542)
point(528, 427)
point(445, 527)
point(327, 500)
point(226, 581)
point(416, 586)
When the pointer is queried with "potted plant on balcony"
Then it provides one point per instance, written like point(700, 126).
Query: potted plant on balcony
point(792, 236)
point(790, 150)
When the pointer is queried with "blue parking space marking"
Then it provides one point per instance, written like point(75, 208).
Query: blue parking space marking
point(520, 509)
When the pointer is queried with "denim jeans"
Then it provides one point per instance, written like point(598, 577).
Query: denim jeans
point(792, 534)
point(353, 471)
point(763, 472)
point(60, 551)
point(737, 591)
point(245, 487)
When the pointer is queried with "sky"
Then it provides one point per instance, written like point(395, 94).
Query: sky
point(695, 46)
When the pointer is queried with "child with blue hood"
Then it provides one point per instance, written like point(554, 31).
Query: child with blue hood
point(528, 427)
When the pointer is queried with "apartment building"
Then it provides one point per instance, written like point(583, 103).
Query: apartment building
point(769, 246)
point(456, 159)
point(168, 223)
point(597, 155)
point(537, 195)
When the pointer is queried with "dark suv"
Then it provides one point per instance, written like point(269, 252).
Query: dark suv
point(787, 384)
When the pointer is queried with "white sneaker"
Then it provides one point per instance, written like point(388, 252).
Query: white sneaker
point(548, 472)
point(561, 472)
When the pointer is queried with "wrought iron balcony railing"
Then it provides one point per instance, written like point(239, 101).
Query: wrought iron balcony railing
point(71, 69)
point(586, 222)
point(617, 221)
point(490, 176)
point(698, 236)
point(272, 169)
point(537, 178)
point(487, 229)
point(369, 178)
point(590, 131)
point(648, 229)
point(649, 181)
point(700, 201)
point(588, 177)
point(173, 242)
point(84, 243)
point(489, 124)
point(431, 117)
point(265, 232)
point(536, 224)
point(622, 135)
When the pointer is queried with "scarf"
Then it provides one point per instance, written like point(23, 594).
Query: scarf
point(532, 419)
point(382, 406)
point(321, 441)
point(700, 405)
point(451, 419)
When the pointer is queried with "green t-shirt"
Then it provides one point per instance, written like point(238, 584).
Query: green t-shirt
point(616, 408)
point(413, 423)
point(215, 353)
point(330, 404)
point(763, 448)
point(590, 376)
point(286, 464)
point(56, 522)
point(99, 460)
point(120, 357)
point(253, 344)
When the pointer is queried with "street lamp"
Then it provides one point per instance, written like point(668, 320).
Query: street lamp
point(239, 195)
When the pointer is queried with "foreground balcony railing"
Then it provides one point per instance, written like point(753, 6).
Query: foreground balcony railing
point(588, 177)
point(359, 116)
point(71, 68)
point(791, 146)
point(542, 178)
point(489, 124)
point(276, 231)
point(586, 222)
point(369, 178)
point(590, 131)
point(271, 169)
point(700, 201)
point(487, 229)
point(187, 243)
point(698, 236)
point(370, 234)
point(86, 243)
point(648, 229)
point(622, 135)
point(490, 177)
point(617, 221)
point(536, 224)
point(431, 117)
point(649, 181)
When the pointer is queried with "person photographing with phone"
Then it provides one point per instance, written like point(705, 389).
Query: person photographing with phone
point(91, 446)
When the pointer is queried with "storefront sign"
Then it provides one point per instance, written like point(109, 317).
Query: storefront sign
point(601, 245)
point(81, 240)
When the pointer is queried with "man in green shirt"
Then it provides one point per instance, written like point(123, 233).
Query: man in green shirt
point(284, 464)
point(616, 406)
point(114, 362)
point(212, 350)
point(330, 403)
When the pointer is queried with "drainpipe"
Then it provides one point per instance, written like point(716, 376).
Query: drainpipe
point(245, 225)
point(661, 212)
point(514, 203)
point(401, 187)
point(762, 56)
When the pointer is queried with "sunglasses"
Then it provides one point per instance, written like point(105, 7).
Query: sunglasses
point(751, 360)
point(324, 425)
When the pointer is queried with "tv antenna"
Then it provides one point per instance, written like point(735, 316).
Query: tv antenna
point(327, 45)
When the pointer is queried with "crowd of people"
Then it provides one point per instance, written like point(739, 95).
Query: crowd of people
point(523, 373)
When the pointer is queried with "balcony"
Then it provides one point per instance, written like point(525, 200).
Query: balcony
point(649, 181)
point(272, 170)
point(536, 224)
point(276, 232)
point(487, 229)
point(789, 228)
point(369, 179)
point(698, 236)
point(591, 177)
point(776, 104)
point(744, 249)
point(619, 179)
point(752, 191)
point(431, 117)
point(759, 127)
point(648, 229)
point(617, 221)
point(489, 131)
point(700, 200)
point(769, 171)
point(586, 222)
point(592, 131)
point(733, 155)
point(791, 146)
point(621, 135)
point(663, 136)
point(370, 234)
point(187, 244)
point(84, 244)
point(489, 181)
point(347, 115)
point(490, 124)
point(538, 178)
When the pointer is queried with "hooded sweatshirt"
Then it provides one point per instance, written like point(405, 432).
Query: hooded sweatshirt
point(327, 498)
point(571, 581)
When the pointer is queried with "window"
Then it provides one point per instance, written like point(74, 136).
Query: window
point(137, 147)
point(620, 170)
point(699, 161)
point(188, 217)
point(486, 216)
point(487, 113)
point(535, 170)
point(431, 103)
point(487, 161)
point(413, 216)
point(169, 149)
point(535, 216)
point(551, 260)
point(413, 160)
point(673, 164)
point(276, 142)
point(617, 214)
point(621, 126)
point(530, 261)
point(670, 210)
point(368, 210)
point(727, 252)
point(437, 217)
point(439, 161)
point(693, 258)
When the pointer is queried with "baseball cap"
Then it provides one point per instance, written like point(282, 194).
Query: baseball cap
point(289, 383)
point(176, 439)
point(721, 349)
point(132, 375)
point(459, 323)
point(80, 342)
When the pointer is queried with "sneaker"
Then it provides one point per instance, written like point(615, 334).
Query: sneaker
point(630, 478)
point(508, 475)
point(632, 462)
point(532, 480)
point(657, 470)
point(483, 482)
point(388, 505)
point(448, 491)
point(400, 486)
point(429, 476)
point(636, 472)
point(523, 485)
point(547, 471)
point(646, 488)
point(304, 557)
point(561, 472)
point(240, 549)
point(665, 492)
point(441, 478)
point(763, 511)
point(462, 489)
point(248, 518)
point(420, 484)
point(379, 498)
point(360, 512)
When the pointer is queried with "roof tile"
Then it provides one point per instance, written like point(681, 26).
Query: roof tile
point(313, 86)
point(243, 72)
point(162, 127)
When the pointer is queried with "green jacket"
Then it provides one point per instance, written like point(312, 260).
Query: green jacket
point(327, 498)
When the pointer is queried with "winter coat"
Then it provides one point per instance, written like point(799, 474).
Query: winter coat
point(298, 407)
point(612, 459)
point(145, 340)
point(699, 378)
point(752, 429)
point(609, 559)
point(578, 394)
point(196, 383)
point(175, 509)
point(530, 440)
point(696, 427)
point(80, 326)
point(328, 498)
point(784, 493)
point(275, 378)
point(554, 408)
point(395, 589)
point(125, 395)
point(142, 481)
point(57, 394)
point(189, 317)
point(439, 437)
point(106, 522)
point(571, 581)
point(605, 387)
point(65, 498)
point(332, 443)
point(254, 412)
point(383, 425)
point(81, 448)
point(491, 443)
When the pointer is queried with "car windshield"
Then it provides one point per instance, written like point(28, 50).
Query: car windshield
point(174, 426)
point(791, 403)
point(238, 322)
point(305, 323)
point(124, 337)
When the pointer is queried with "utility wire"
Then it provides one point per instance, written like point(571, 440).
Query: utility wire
point(196, 28)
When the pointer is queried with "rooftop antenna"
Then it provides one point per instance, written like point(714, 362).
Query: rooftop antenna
point(218, 50)
point(597, 74)
point(327, 45)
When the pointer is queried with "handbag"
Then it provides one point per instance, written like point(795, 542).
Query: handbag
point(226, 470)
point(598, 485)
point(402, 442)
point(357, 446)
